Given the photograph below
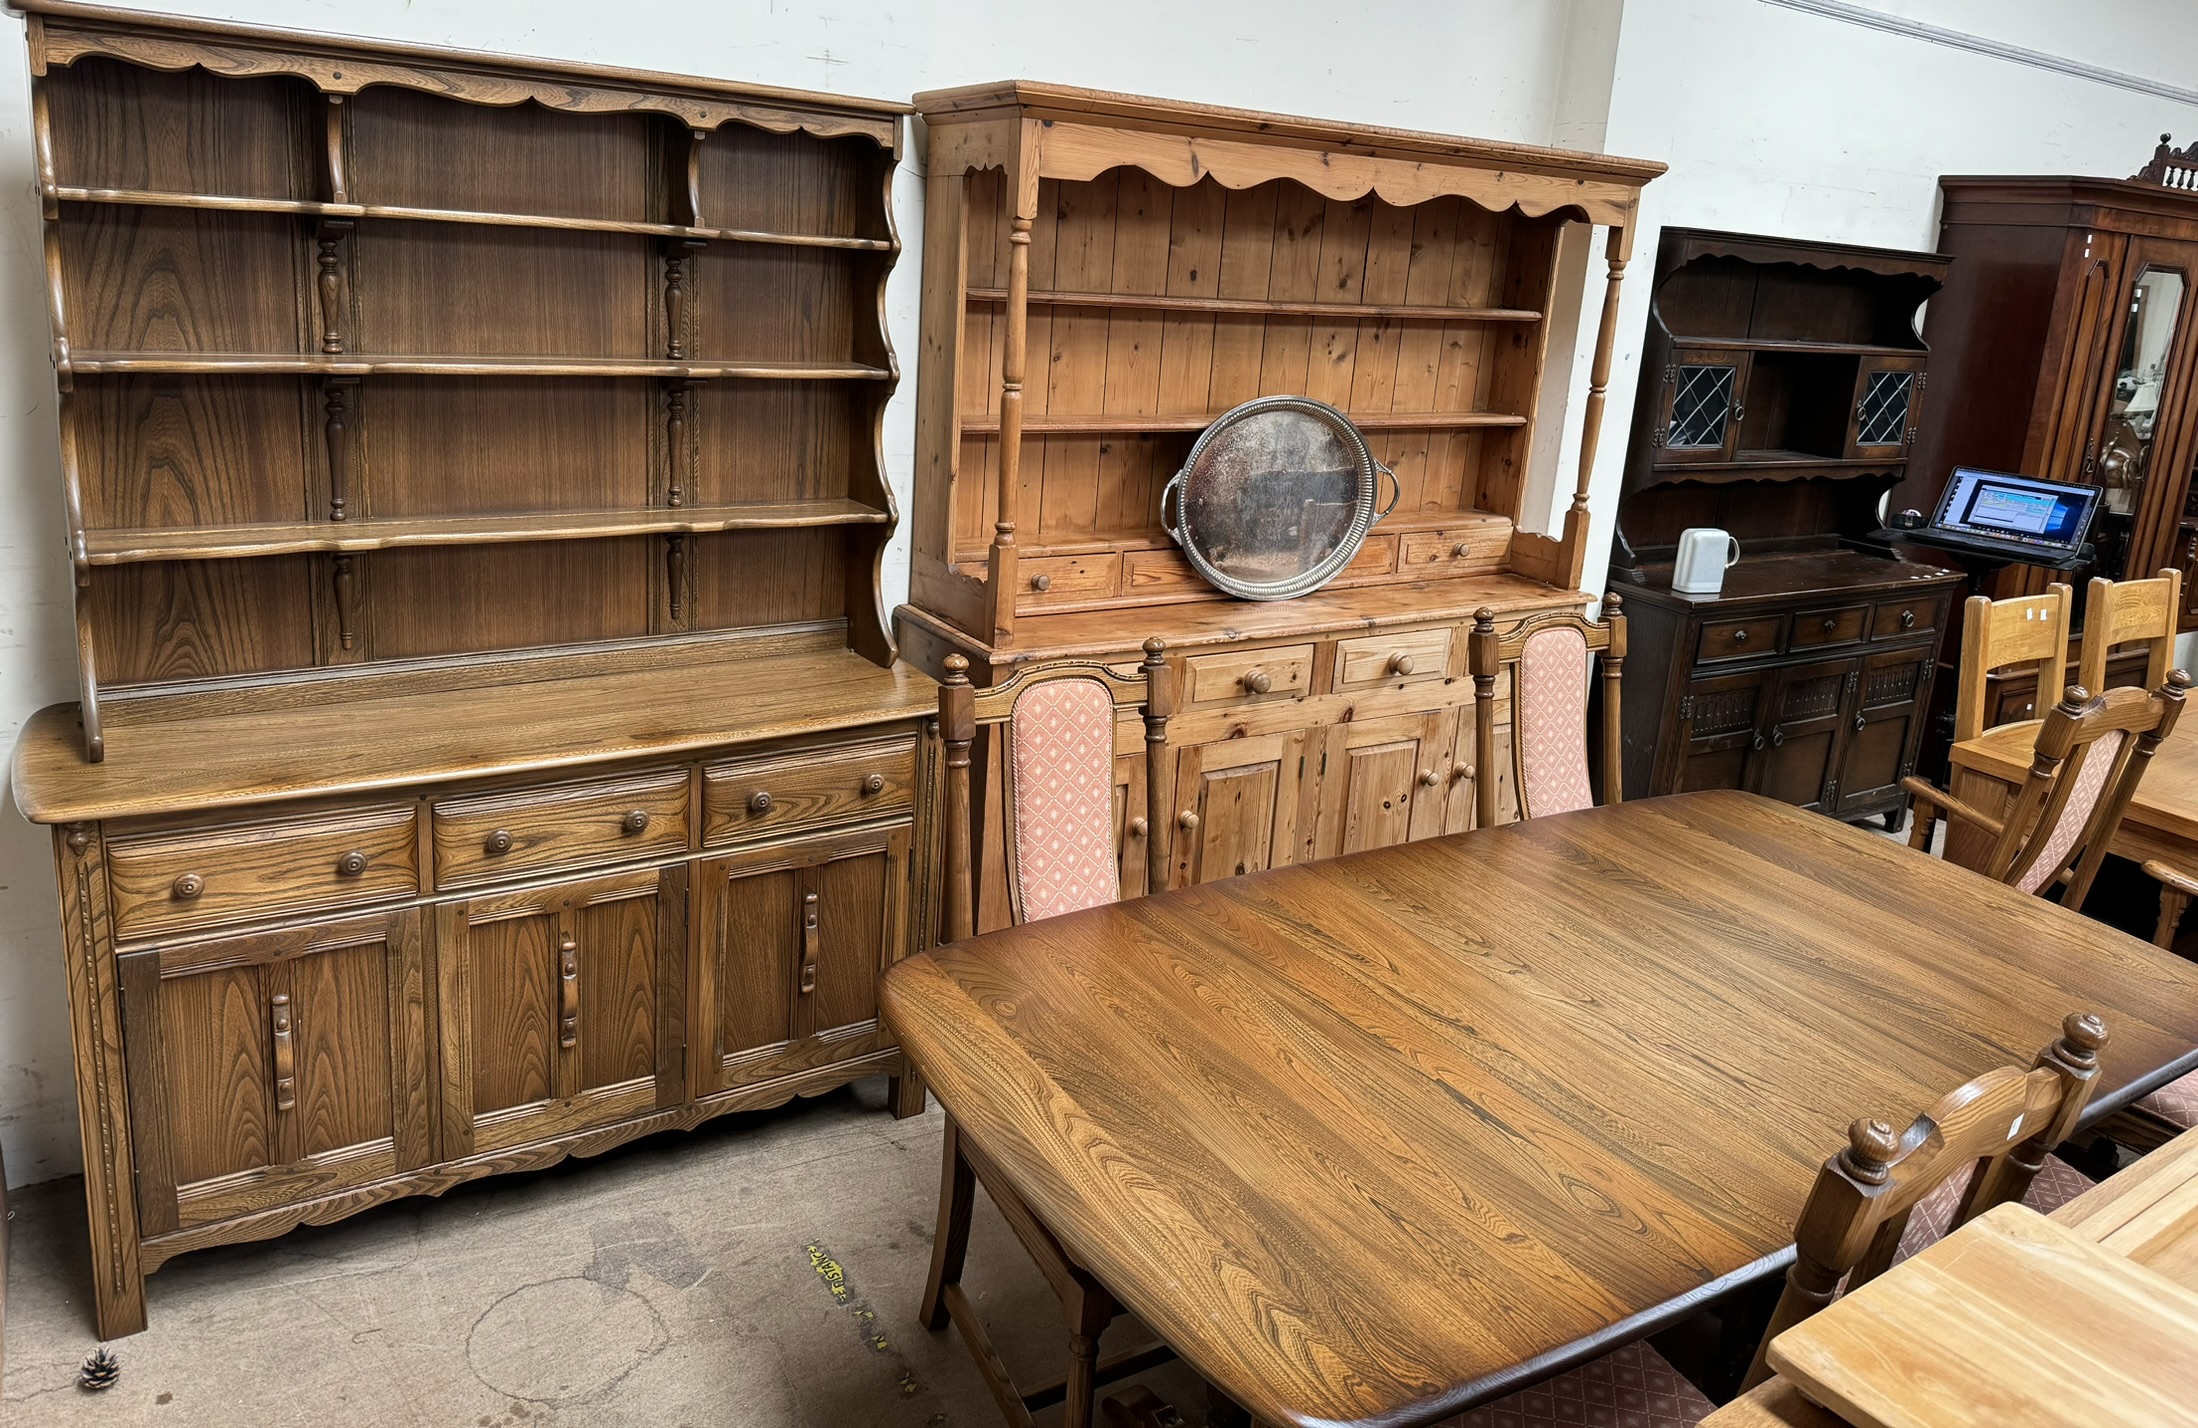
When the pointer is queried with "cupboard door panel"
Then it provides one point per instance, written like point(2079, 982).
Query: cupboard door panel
point(1891, 694)
point(274, 1067)
point(792, 939)
point(1796, 764)
point(1720, 722)
point(1382, 781)
point(552, 1006)
point(1131, 828)
point(1237, 807)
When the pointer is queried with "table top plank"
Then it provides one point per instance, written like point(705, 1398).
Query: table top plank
point(2148, 1212)
point(2011, 1322)
point(1376, 1137)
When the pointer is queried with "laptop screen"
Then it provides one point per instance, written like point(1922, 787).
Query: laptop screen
point(2045, 514)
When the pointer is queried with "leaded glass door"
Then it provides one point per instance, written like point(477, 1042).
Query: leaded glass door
point(1703, 404)
point(1888, 407)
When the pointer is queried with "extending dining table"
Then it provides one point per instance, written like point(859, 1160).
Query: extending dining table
point(2161, 821)
point(1372, 1139)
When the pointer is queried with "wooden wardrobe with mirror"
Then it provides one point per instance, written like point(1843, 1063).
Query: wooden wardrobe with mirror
point(491, 746)
point(1104, 275)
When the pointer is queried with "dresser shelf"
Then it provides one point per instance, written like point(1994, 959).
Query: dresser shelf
point(309, 208)
point(238, 364)
point(1199, 421)
point(1264, 307)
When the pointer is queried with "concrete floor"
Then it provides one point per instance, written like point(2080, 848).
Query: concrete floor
point(761, 1270)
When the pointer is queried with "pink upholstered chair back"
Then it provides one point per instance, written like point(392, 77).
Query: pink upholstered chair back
point(1061, 799)
point(1054, 764)
point(2089, 781)
point(1548, 657)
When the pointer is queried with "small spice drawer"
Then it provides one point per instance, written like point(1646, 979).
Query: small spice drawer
point(1408, 657)
point(169, 882)
point(1814, 628)
point(1284, 672)
point(1915, 616)
point(760, 798)
point(493, 837)
point(1742, 639)
point(1067, 579)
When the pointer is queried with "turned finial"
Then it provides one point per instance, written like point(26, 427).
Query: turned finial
point(2178, 681)
point(1871, 1146)
point(2074, 698)
point(1154, 648)
point(1613, 604)
point(1484, 620)
point(2082, 1034)
point(957, 669)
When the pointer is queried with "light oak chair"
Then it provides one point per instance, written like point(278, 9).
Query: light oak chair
point(2000, 1127)
point(1059, 837)
point(2091, 751)
point(2026, 630)
point(2125, 612)
point(1548, 659)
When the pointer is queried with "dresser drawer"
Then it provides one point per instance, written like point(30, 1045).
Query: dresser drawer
point(1067, 579)
point(496, 836)
point(1284, 672)
point(759, 798)
point(1412, 657)
point(1741, 639)
point(1842, 626)
point(1915, 615)
point(206, 877)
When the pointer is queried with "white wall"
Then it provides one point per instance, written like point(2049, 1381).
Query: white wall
point(1773, 121)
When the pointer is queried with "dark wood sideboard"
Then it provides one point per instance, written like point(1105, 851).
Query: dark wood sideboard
point(1782, 387)
point(491, 746)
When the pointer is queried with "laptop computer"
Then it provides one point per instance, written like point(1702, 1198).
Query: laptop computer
point(2011, 518)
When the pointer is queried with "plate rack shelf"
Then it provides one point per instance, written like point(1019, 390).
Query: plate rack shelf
point(337, 330)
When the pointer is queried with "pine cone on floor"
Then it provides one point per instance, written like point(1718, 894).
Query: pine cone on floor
point(100, 1370)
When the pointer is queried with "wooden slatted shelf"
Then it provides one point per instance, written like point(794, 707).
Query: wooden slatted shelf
point(368, 365)
point(1100, 425)
point(148, 198)
point(1265, 307)
point(125, 547)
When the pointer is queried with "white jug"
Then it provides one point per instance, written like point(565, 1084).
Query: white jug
point(1705, 553)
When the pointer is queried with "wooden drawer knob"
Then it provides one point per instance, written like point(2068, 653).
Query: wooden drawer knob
point(187, 887)
point(497, 843)
point(636, 821)
point(1400, 663)
point(759, 801)
point(1461, 550)
point(1907, 619)
point(873, 783)
point(1459, 772)
point(1739, 637)
point(1139, 827)
point(351, 864)
point(1041, 583)
point(1186, 820)
point(1429, 778)
point(1257, 682)
point(1830, 625)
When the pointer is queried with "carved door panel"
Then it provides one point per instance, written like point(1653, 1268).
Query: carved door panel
point(1884, 717)
point(560, 1008)
point(274, 1067)
point(1237, 807)
point(790, 942)
point(1130, 830)
point(1383, 781)
point(1798, 749)
point(1721, 720)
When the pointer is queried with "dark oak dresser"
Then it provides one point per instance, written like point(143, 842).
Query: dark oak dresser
point(491, 746)
point(1782, 386)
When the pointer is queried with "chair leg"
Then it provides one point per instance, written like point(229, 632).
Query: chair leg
point(904, 1093)
point(950, 1242)
point(2172, 904)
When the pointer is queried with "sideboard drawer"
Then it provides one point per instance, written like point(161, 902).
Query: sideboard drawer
point(1410, 657)
point(495, 836)
point(165, 882)
point(759, 798)
point(1284, 672)
point(1916, 615)
point(1843, 626)
point(1742, 639)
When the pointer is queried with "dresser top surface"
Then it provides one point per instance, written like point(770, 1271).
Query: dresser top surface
point(1792, 575)
point(305, 741)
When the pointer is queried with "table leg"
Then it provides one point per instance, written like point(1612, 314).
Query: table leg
point(2172, 904)
point(950, 1242)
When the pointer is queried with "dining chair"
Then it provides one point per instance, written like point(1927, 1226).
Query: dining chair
point(1059, 836)
point(2024, 630)
point(2125, 612)
point(2001, 1127)
point(2091, 750)
point(1548, 659)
